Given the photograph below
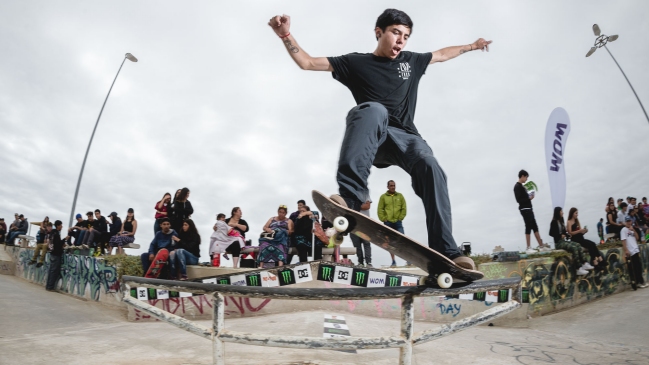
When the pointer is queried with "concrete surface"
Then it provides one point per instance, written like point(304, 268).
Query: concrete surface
point(38, 327)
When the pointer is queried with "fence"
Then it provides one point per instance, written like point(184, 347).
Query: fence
point(405, 342)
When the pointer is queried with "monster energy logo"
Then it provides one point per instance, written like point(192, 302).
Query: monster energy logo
point(223, 281)
point(503, 294)
point(254, 280)
point(286, 275)
point(394, 281)
point(479, 296)
point(526, 296)
point(326, 273)
point(360, 278)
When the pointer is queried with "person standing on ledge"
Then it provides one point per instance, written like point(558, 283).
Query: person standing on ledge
point(380, 129)
point(392, 211)
point(525, 207)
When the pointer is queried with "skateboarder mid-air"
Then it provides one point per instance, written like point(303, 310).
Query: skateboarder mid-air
point(380, 129)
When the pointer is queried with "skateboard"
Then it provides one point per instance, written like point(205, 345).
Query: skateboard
point(531, 188)
point(348, 221)
point(629, 267)
point(159, 262)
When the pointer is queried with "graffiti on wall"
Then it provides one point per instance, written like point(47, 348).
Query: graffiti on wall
point(546, 283)
point(82, 276)
point(201, 305)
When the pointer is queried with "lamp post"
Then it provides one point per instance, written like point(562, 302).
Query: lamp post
point(131, 58)
point(601, 41)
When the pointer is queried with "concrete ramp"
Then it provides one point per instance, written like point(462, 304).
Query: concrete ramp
point(7, 265)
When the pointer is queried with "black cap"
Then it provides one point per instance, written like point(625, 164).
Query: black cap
point(21, 216)
point(112, 214)
point(130, 210)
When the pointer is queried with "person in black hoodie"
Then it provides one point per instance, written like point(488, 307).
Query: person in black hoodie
point(56, 256)
point(180, 210)
point(304, 234)
point(187, 249)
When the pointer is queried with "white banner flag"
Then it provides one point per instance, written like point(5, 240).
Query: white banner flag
point(556, 136)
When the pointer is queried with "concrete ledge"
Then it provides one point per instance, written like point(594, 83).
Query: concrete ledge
point(131, 245)
point(350, 251)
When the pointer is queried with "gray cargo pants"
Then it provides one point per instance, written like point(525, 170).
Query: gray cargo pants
point(370, 141)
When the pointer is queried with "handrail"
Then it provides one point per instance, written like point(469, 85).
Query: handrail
point(405, 342)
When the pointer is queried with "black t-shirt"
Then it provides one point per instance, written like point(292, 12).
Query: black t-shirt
point(521, 196)
point(243, 222)
point(100, 225)
point(393, 83)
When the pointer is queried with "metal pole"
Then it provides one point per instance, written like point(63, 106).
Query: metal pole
point(627, 80)
point(407, 322)
point(83, 165)
point(218, 351)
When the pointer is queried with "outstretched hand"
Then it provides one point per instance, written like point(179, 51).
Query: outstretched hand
point(481, 44)
point(281, 24)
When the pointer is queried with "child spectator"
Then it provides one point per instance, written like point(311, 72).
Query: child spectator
point(41, 247)
point(223, 241)
point(187, 249)
point(161, 211)
point(180, 210)
point(56, 254)
point(161, 241)
point(630, 243)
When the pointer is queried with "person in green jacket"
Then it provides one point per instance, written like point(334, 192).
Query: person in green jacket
point(392, 210)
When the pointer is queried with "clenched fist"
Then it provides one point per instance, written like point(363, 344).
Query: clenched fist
point(281, 24)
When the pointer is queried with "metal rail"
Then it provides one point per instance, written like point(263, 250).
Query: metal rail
point(405, 342)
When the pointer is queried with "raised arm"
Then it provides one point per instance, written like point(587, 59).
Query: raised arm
point(281, 25)
point(448, 53)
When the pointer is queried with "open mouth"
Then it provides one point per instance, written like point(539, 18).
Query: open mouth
point(396, 50)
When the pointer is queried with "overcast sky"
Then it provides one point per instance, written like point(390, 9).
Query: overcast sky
point(217, 105)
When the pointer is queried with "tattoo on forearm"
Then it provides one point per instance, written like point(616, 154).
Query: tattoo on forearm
point(291, 48)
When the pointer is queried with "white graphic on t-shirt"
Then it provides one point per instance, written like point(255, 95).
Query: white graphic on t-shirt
point(404, 70)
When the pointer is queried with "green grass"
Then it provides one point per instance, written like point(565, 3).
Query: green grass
point(125, 265)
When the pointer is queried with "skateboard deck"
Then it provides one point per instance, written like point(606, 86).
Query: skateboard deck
point(389, 239)
point(159, 262)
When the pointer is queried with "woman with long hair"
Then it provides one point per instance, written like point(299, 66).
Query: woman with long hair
point(562, 242)
point(126, 235)
point(187, 249)
point(577, 233)
point(161, 211)
point(273, 244)
point(180, 210)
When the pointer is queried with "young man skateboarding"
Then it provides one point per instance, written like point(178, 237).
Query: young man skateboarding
point(380, 129)
point(392, 211)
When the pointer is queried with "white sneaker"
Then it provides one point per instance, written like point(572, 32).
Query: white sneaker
point(530, 251)
point(643, 286)
point(581, 272)
point(544, 249)
point(587, 266)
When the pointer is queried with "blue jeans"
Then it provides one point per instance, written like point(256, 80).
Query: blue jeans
point(182, 258)
point(13, 235)
point(78, 238)
point(398, 226)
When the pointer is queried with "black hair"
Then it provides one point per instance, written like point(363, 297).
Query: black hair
point(97, 211)
point(192, 229)
point(58, 223)
point(130, 210)
point(301, 201)
point(220, 215)
point(522, 173)
point(88, 213)
point(557, 214)
point(234, 210)
point(393, 17)
point(183, 194)
point(391, 181)
point(623, 205)
point(162, 220)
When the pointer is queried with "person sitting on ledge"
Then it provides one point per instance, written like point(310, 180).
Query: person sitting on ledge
point(577, 235)
point(187, 249)
point(561, 242)
point(224, 241)
point(161, 240)
point(273, 243)
point(126, 233)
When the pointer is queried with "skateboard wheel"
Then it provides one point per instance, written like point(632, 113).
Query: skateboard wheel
point(341, 224)
point(444, 281)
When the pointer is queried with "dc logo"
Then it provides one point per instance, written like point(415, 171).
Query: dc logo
point(343, 275)
point(404, 70)
point(303, 273)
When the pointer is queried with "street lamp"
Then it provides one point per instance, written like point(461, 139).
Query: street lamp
point(601, 41)
point(131, 58)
